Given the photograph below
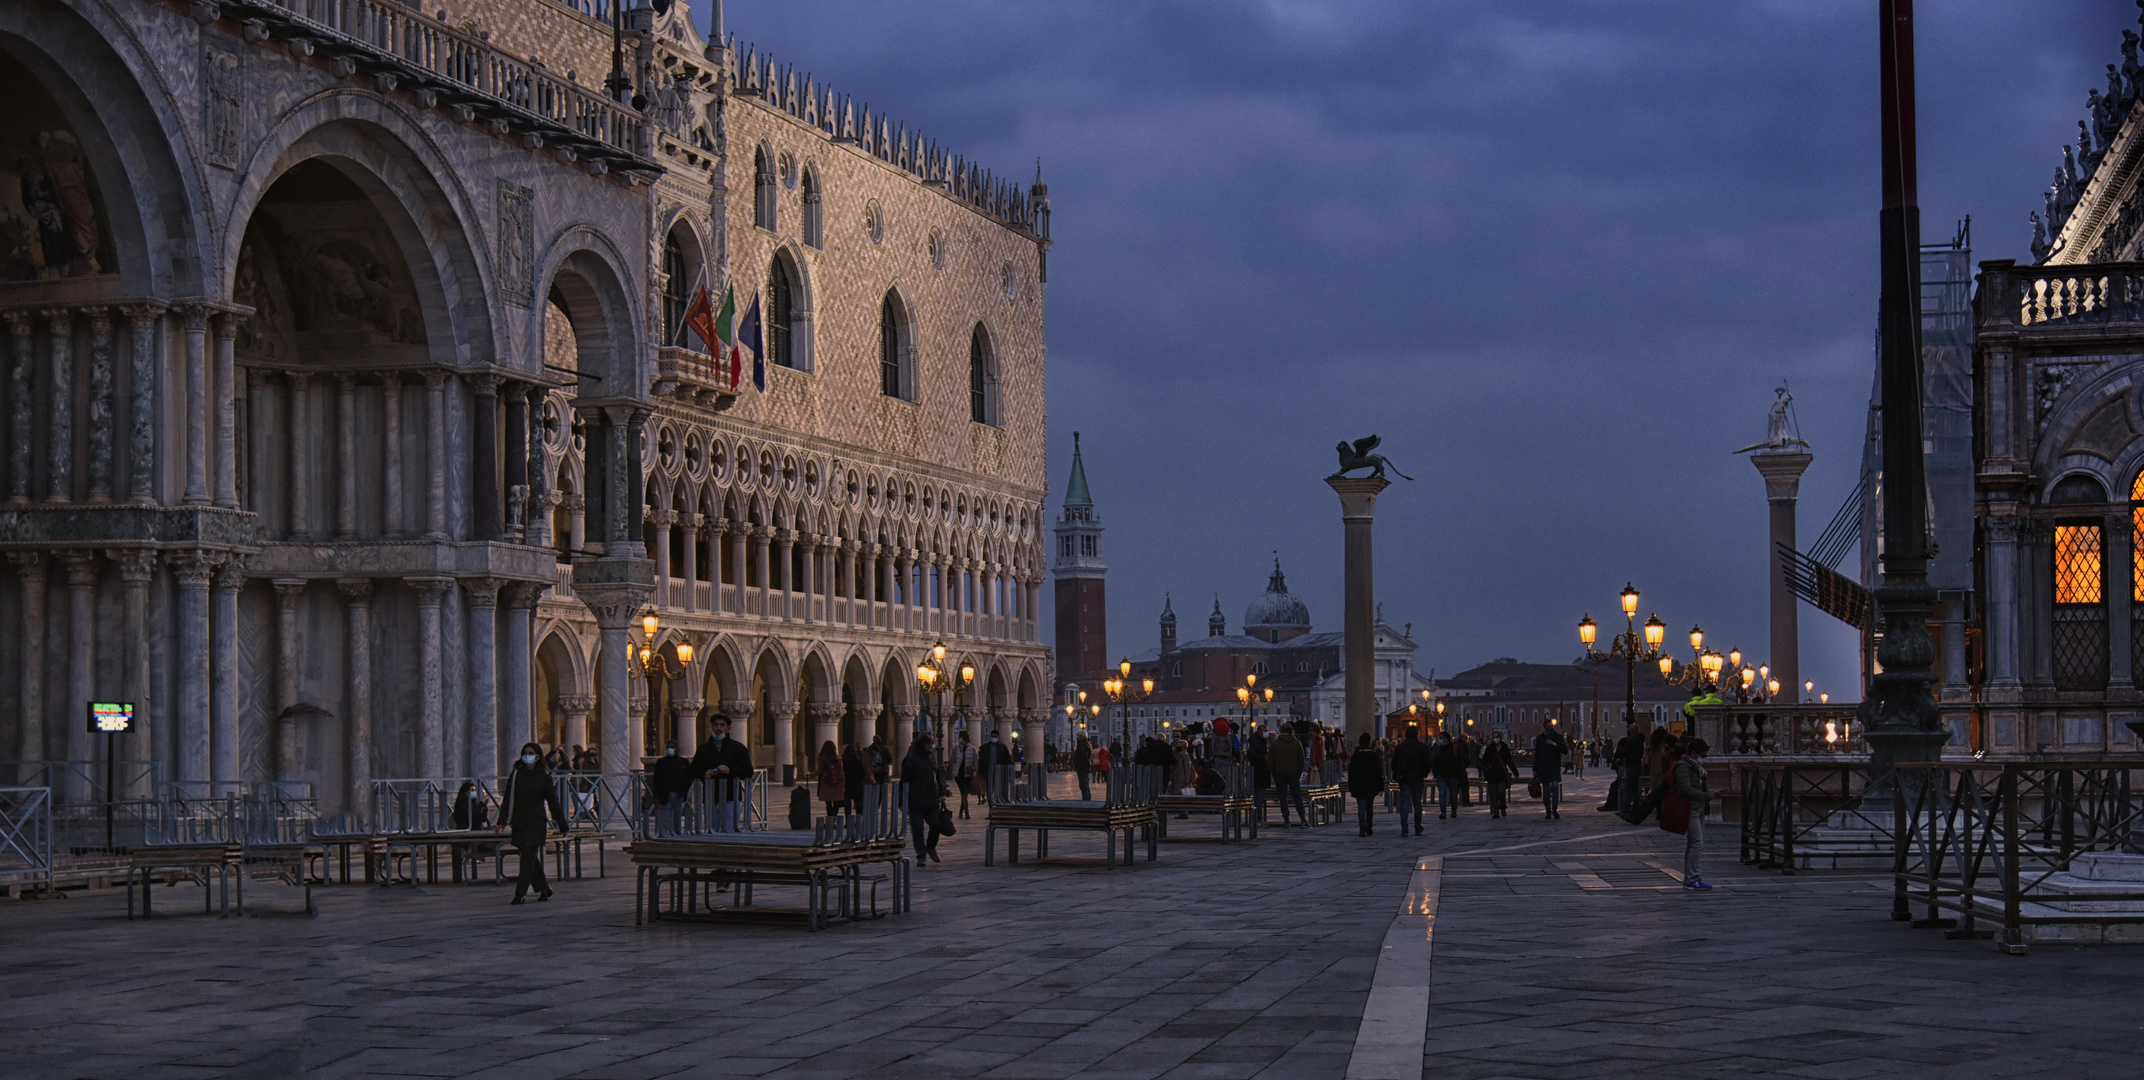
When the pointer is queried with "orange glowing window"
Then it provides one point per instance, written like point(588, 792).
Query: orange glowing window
point(2077, 560)
point(2136, 536)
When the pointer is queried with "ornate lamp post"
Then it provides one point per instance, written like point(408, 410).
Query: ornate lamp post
point(1122, 691)
point(933, 678)
point(1629, 645)
point(1248, 696)
point(647, 660)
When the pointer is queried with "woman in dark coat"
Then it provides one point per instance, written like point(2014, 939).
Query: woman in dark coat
point(832, 790)
point(1365, 781)
point(926, 798)
point(528, 796)
point(855, 773)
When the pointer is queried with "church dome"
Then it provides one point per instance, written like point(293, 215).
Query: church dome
point(1276, 609)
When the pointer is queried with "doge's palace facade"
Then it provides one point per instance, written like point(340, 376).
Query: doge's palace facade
point(351, 428)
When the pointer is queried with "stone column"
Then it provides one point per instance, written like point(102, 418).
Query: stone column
point(2038, 537)
point(712, 536)
point(576, 710)
point(1034, 733)
point(825, 728)
point(136, 567)
point(391, 456)
point(59, 464)
point(684, 723)
point(784, 715)
point(662, 520)
point(224, 759)
point(193, 569)
point(517, 460)
point(346, 457)
point(2004, 670)
point(904, 573)
point(2119, 546)
point(81, 664)
point(1358, 501)
point(30, 679)
point(299, 433)
point(289, 593)
point(485, 434)
point(904, 733)
point(740, 561)
point(765, 537)
point(357, 705)
point(431, 686)
point(615, 604)
point(690, 542)
point(435, 455)
point(577, 522)
point(196, 406)
point(100, 405)
point(483, 594)
point(518, 697)
point(21, 382)
point(785, 557)
point(1782, 471)
point(143, 321)
point(227, 411)
point(852, 565)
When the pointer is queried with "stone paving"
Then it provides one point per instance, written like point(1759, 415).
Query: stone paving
point(1559, 951)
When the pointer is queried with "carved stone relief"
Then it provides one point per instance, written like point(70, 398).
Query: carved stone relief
point(517, 244)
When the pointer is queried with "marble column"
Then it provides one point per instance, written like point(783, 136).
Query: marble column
point(852, 569)
point(2004, 670)
point(1034, 733)
point(391, 510)
point(904, 595)
point(1782, 471)
point(765, 537)
point(904, 732)
point(784, 715)
point(662, 520)
point(690, 542)
point(518, 698)
point(575, 710)
point(136, 567)
point(101, 380)
point(289, 594)
point(813, 550)
point(346, 465)
point(357, 704)
point(299, 432)
point(739, 712)
point(536, 467)
point(431, 685)
point(196, 405)
point(615, 607)
point(577, 522)
point(684, 723)
point(484, 434)
point(518, 491)
point(81, 664)
point(711, 536)
point(1358, 500)
point(483, 594)
point(22, 375)
point(435, 455)
point(143, 321)
point(224, 758)
point(785, 547)
point(193, 569)
point(227, 411)
point(30, 678)
point(825, 728)
point(739, 562)
point(59, 463)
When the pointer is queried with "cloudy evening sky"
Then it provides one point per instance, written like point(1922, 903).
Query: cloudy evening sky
point(1556, 252)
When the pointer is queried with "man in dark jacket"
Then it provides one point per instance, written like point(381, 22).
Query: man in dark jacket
point(1448, 763)
point(1285, 759)
point(727, 765)
point(1550, 750)
point(926, 795)
point(669, 782)
point(1628, 761)
point(1366, 782)
point(1410, 770)
point(994, 765)
point(1082, 765)
point(1497, 770)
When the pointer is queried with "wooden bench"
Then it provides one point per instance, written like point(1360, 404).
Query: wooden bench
point(831, 873)
point(1233, 810)
point(1043, 817)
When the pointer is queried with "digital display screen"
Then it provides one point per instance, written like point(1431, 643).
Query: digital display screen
point(111, 716)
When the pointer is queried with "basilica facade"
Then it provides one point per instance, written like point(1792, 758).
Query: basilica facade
point(355, 423)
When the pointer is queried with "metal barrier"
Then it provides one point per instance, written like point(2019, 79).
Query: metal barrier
point(280, 812)
point(1784, 807)
point(187, 815)
point(420, 805)
point(2000, 842)
point(26, 836)
point(718, 805)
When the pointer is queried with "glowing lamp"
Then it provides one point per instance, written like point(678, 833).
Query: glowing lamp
point(648, 626)
point(1124, 667)
point(1586, 630)
point(1630, 601)
point(1146, 686)
point(1667, 666)
point(1655, 631)
point(1697, 637)
point(684, 652)
point(967, 673)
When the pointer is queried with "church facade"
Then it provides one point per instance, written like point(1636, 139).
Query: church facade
point(354, 425)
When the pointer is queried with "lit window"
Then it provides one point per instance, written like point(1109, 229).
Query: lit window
point(2077, 562)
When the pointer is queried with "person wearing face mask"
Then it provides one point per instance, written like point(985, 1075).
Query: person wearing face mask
point(670, 781)
point(528, 796)
point(727, 765)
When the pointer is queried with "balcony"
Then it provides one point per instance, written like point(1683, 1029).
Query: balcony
point(693, 377)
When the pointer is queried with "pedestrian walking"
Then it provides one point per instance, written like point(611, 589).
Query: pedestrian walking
point(1498, 768)
point(1550, 749)
point(528, 799)
point(1683, 809)
point(855, 773)
point(1104, 760)
point(966, 765)
point(1082, 764)
point(832, 790)
point(1448, 764)
point(927, 815)
point(1286, 760)
point(881, 760)
point(1366, 782)
point(1410, 770)
point(1628, 761)
point(670, 783)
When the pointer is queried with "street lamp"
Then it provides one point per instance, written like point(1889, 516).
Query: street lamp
point(1248, 696)
point(1122, 691)
point(933, 678)
point(1630, 646)
point(647, 660)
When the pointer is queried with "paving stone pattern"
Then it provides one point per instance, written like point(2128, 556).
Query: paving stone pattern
point(1554, 953)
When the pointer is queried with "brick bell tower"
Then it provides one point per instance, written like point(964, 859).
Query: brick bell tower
point(1082, 619)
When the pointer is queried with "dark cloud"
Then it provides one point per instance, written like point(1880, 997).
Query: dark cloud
point(1556, 253)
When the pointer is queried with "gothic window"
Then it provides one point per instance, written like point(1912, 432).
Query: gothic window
point(814, 227)
point(982, 378)
point(2080, 638)
point(781, 308)
point(893, 333)
point(675, 288)
point(763, 189)
point(1178, 670)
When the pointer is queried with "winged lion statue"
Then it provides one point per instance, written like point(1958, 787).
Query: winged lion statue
point(1358, 456)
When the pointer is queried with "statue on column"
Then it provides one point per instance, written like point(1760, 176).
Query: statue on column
point(1781, 431)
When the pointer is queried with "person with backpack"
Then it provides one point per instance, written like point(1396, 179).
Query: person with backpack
point(1550, 751)
point(1366, 782)
point(1683, 809)
point(1410, 770)
point(1498, 768)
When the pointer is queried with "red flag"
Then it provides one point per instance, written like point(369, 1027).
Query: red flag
point(700, 317)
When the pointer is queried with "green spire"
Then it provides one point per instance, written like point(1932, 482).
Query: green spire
point(1076, 488)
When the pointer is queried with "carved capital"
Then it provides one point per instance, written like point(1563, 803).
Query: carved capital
point(62, 319)
point(430, 590)
point(663, 519)
point(523, 594)
point(735, 709)
point(81, 568)
point(614, 605)
point(228, 322)
point(483, 592)
point(192, 568)
point(196, 316)
point(435, 380)
point(288, 591)
point(136, 565)
point(782, 710)
point(357, 592)
point(484, 384)
point(578, 706)
point(142, 315)
point(18, 321)
point(230, 574)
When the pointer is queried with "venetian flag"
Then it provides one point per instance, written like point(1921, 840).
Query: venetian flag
point(749, 339)
point(700, 319)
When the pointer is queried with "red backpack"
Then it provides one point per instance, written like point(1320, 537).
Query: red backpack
point(1674, 805)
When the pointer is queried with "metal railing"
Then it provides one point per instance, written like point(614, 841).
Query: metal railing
point(25, 836)
point(1785, 805)
point(1996, 843)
